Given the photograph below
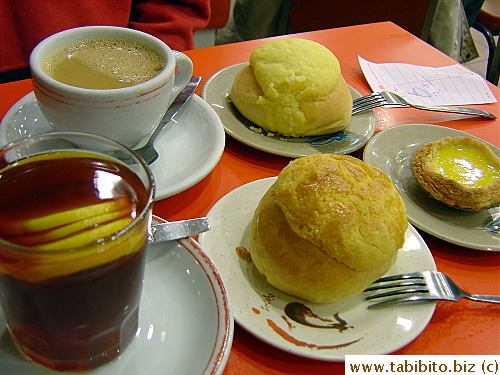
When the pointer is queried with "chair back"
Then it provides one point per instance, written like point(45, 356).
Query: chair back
point(414, 16)
point(219, 14)
point(488, 23)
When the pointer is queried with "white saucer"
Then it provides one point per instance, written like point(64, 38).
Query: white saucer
point(216, 91)
point(185, 320)
point(259, 308)
point(392, 151)
point(190, 147)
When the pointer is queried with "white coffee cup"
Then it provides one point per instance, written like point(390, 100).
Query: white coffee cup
point(126, 114)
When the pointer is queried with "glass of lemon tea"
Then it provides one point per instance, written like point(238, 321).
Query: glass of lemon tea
point(75, 211)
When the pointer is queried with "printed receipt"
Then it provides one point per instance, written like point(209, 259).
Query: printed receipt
point(447, 85)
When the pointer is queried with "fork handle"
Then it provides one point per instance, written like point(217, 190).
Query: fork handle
point(483, 298)
point(461, 110)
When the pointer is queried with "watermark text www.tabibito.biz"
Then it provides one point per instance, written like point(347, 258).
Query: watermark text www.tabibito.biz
point(422, 364)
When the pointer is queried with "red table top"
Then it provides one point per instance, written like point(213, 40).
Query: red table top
point(464, 327)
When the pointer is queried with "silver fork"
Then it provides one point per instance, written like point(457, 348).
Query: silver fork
point(390, 99)
point(415, 287)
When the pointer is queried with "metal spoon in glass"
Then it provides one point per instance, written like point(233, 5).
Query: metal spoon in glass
point(148, 152)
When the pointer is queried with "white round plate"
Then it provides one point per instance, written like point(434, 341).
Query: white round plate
point(185, 320)
point(392, 150)
point(190, 146)
point(216, 92)
point(259, 308)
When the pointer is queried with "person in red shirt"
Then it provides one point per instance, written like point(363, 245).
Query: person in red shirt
point(24, 23)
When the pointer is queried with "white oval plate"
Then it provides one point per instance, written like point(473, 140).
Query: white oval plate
point(190, 146)
point(259, 308)
point(185, 320)
point(392, 150)
point(216, 91)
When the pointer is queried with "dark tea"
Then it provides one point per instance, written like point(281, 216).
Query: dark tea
point(71, 267)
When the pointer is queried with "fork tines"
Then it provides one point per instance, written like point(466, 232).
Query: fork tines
point(367, 102)
point(368, 97)
point(419, 287)
point(401, 276)
point(406, 283)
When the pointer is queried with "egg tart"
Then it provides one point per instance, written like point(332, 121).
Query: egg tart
point(462, 172)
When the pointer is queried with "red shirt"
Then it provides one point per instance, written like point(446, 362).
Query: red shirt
point(24, 23)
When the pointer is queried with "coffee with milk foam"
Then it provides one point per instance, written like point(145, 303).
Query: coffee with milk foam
point(103, 63)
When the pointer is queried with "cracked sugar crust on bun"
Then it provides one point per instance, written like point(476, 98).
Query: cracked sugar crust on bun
point(293, 87)
point(328, 228)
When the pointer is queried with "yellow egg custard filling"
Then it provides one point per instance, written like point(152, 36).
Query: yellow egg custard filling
point(461, 172)
point(467, 164)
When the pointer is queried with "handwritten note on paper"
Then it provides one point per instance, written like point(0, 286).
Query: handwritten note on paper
point(447, 85)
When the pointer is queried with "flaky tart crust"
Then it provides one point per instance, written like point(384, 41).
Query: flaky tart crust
point(449, 191)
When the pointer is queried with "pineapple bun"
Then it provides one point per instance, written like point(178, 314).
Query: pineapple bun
point(293, 87)
point(327, 228)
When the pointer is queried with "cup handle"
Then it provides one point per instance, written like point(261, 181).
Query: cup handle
point(183, 74)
